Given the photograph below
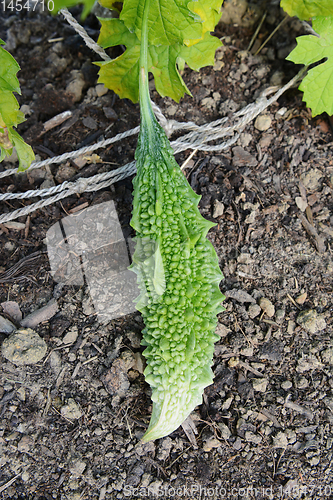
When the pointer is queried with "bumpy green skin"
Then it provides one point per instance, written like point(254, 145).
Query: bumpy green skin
point(178, 275)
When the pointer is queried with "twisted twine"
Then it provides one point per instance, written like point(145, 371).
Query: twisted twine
point(197, 139)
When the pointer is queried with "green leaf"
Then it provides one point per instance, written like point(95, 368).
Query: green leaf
point(10, 114)
point(121, 74)
point(169, 22)
point(24, 151)
point(162, 62)
point(60, 4)
point(306, 9)
point(202, 53)
point(8, 69)
point(9, 109)
point(318, 84)
point(114, 32)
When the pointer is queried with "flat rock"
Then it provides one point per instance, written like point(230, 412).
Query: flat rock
point(43, 314)
point(239, 295)
point(242, 158)
point(311, 321)
point(24, 347)
point(6, 326)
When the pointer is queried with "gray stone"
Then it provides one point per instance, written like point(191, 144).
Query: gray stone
point(311, 321)
point(24, 347)
point(43, 314)
point(71, 410)
point(253, 311)
point(252, 438)
point(242, 158)
point(225, 431)
point(280, 440)
point(311, 179)
point(89, 123)
point(260, 384)
point(286, 385)
point(6, 326)
point(239, 295)
point(71, 336)
point(12, 309)
point(218, 209)
point(327, 356)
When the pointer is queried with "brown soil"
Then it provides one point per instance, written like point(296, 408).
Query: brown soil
point(264, 429)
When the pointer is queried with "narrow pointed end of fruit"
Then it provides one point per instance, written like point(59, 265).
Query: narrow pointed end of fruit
point(171, 410)
point(165, 419)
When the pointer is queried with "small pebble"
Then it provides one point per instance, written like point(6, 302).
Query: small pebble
point(301, 298)
point(311, 321)
point(253, 311)
point(286, 385)
point(101, 90)
point(211, 443)
point(260, 384)
point(218, 209)
point(71, 336)
point(279, 315)
point(301, 203)
point(225, 431)
point(280, 440)
point(311, 179)
point(43, 314)
point(263, 122)
point(12, 309)
point(327, 356)
point(71, 410)
point(252, 438)
point(267, 306)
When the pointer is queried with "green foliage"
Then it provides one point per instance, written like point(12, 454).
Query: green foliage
point(307, 9)
point(318, 84)
point(176, 35)
point(10, 114)
point(60, 4)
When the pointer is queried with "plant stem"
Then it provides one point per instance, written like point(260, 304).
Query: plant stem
point(146, 110)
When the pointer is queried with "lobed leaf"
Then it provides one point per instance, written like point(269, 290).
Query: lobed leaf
point(307, 9)
point(121, 74)
point(318, 84)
